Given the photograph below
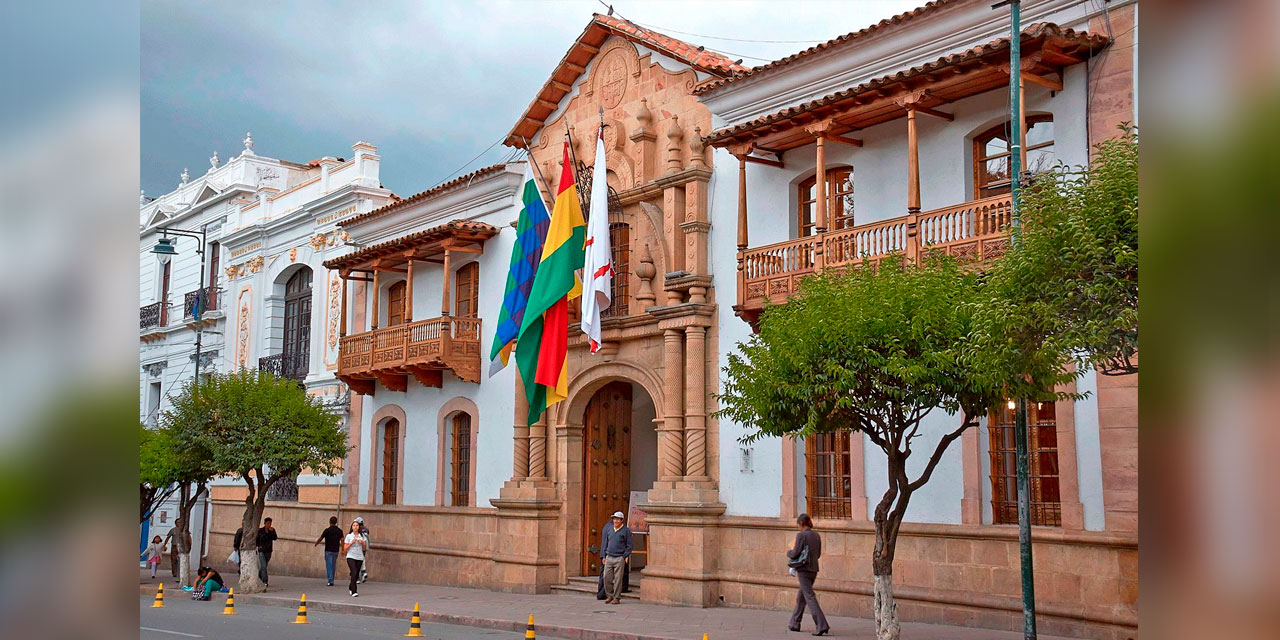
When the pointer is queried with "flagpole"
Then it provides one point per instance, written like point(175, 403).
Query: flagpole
point(573, 157)
point(538, 170)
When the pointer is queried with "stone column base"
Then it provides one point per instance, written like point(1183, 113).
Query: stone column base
point(683, 543)
point(525, 555)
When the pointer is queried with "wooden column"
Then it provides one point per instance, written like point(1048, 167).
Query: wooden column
point(448, 271)
point(695, 404)
point(671, 434)
point(342, 321)
point(373, 318)
point(740, 152)
point(408, 293)
point(820, 195)
point(913, 163)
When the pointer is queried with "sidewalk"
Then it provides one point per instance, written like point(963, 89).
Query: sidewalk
point(575, 616)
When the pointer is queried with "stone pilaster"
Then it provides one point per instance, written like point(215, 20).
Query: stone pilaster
point(671, 431)
point(695, 404)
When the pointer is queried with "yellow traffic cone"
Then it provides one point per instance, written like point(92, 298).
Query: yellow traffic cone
point(415, 624)
point(159, 603)
point(302, 611)
point(230, 609)
point(704, 636)
point(529, 634)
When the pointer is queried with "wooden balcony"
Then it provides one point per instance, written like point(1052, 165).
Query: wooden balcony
point(973, 232)
point(422, 349)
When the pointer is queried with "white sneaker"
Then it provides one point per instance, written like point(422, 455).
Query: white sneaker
point(355, 595)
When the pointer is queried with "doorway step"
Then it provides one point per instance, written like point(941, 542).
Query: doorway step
point(585, 585)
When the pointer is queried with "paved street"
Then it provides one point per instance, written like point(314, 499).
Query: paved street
point(472, 613)
point(182, 618)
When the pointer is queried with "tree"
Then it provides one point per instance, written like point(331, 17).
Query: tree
point(260, 428)
point(872, 352)
point(1070, 286)
point(155, 473)
point(188, 464)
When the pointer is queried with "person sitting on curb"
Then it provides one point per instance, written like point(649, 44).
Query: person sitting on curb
point(207, 583)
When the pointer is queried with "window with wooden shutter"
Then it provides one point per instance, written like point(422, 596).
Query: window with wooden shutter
point(991, 155)
point(826, 473)
point(839, 202)
point(467, 294)
point(1042, 452)
point(390, 461)
point(461, 480)
point(395, 303)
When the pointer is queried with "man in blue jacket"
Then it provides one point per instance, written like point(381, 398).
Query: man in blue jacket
point(615, 550)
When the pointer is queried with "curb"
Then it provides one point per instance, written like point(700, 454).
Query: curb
point(567, 633)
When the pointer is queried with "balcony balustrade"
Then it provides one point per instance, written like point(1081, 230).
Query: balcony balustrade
point(423, 349)
point(291, 366)
point(189, 303)
point(152, 315)
point(973, 232)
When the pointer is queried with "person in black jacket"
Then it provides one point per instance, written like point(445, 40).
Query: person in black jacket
point(266, 542)
point(809, 546)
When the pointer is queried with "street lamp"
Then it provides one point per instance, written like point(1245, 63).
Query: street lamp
point(165, 247)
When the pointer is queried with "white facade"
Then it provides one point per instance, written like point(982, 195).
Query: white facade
point(880, 192)
point(266, 220)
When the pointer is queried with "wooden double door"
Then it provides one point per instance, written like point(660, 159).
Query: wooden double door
point(606, 442)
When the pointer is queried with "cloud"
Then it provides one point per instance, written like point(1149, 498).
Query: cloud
point(431, 83)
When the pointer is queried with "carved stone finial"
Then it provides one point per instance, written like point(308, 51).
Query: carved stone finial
point(646, 271)
point(674, 135)
point(213, 161)
point(184, 175)
point(248, 143)
point(644, 117)
point(696, 149)
point(142, 196)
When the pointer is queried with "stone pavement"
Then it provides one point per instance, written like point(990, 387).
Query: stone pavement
point(576, 616)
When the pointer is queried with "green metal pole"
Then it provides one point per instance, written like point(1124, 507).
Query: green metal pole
point(1022, 462)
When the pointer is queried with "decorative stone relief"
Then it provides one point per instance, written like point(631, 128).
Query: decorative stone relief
point(293, 255)
point(242, 328)
point(255, 264)
point(319, 241)
point(155, 368)
point(611, 78)
point(335, 310)
point(232, 271)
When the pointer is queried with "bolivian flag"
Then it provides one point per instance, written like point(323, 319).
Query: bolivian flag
point(543, 345)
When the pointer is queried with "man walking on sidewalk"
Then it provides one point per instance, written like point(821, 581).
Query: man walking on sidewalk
point(332, 539)
point(615, 551)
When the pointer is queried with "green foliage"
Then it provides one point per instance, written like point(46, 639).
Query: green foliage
point(243, 422)
point(156, 464)
point(871, 350)
point(1071, 284)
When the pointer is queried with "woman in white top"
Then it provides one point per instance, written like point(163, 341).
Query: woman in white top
point(354, 546)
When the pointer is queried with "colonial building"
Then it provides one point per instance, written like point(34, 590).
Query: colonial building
point(727, 185)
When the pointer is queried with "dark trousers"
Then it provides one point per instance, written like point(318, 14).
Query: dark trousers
point(805, 596)
point(330, 564)
point(353, 566)
point(263, 558)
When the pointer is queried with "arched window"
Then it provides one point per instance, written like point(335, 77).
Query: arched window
point(390, 461)
point(467, 294)
point(395, 304)
point(991, 155)
point(827, 475)
point(460, 469)
point(297, 325)
point(839, 201)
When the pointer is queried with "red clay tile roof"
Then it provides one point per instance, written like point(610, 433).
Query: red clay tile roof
point(465, 228)
point(400, 203)
point(855, 36)
point(1082, 40)
point(575, 61)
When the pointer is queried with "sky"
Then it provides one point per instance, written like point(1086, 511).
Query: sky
point(432, 83)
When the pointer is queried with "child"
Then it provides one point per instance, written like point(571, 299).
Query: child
point(208, 582)
point(155, 551)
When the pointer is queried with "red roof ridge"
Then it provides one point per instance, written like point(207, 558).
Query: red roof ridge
point(401, 203)
point(585, 47)
point(901, 18)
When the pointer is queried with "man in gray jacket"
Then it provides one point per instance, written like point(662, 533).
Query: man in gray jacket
point(615, 549)
point(809, 545)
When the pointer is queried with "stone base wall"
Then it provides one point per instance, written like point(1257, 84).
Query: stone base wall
point(430, 545)
point(1086, 583)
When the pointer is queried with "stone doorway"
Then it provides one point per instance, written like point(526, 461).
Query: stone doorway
point(619, 457)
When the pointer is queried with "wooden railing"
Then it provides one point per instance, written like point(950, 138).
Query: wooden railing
point(438, 343)
point(972, 231)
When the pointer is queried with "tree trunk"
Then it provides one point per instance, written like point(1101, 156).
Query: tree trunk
point(254, 504)
point(249, 582)
point(886, 609)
